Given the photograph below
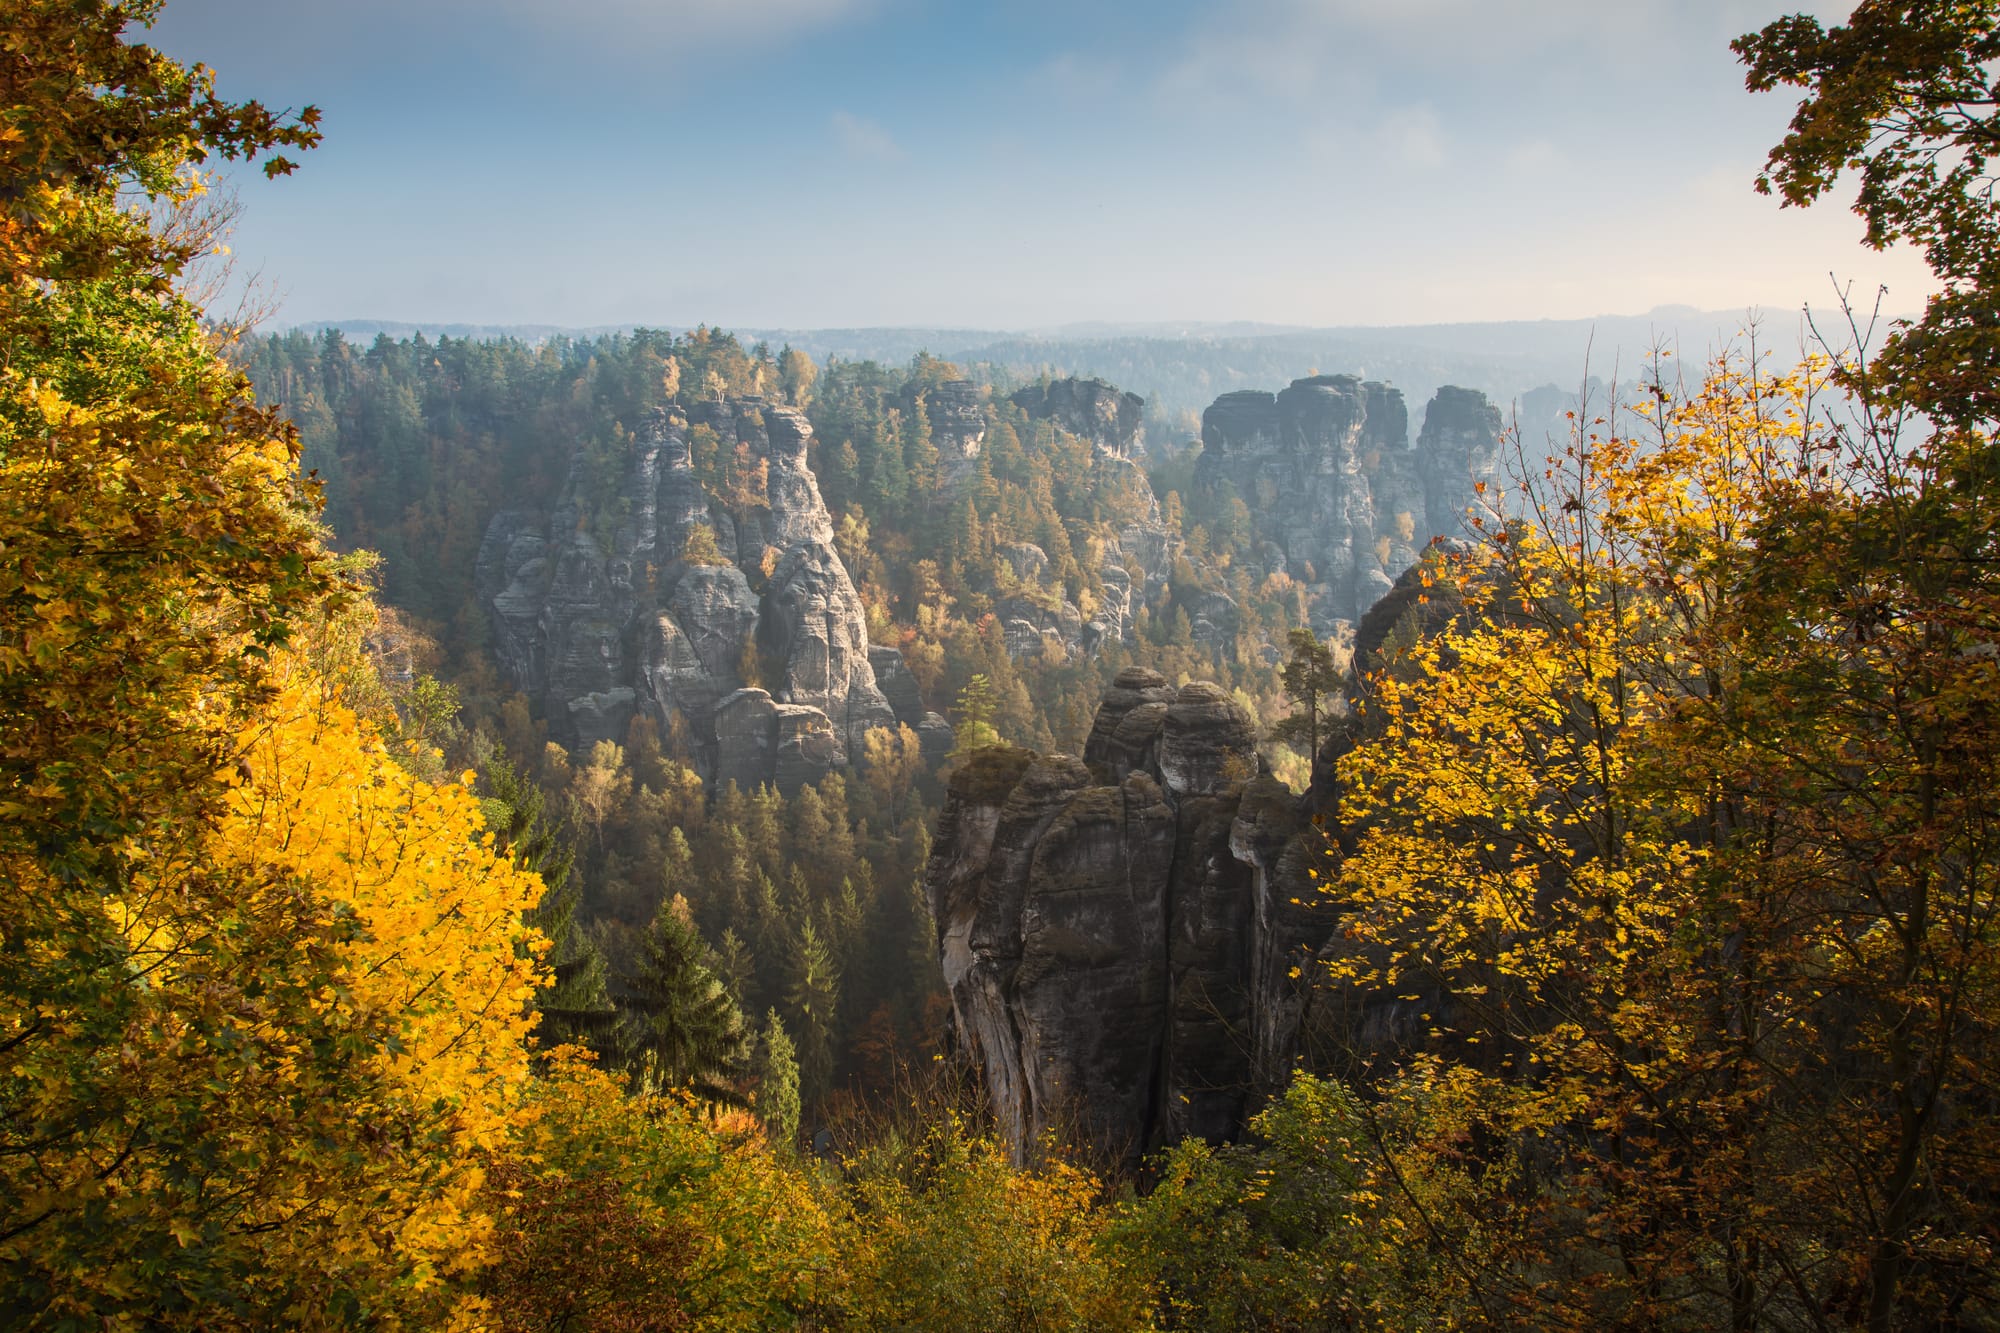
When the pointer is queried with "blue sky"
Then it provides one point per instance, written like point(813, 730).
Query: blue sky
point(819, 163)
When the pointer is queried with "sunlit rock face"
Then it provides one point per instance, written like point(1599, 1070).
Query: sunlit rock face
point(1111, 419)
point(602, 611)
point(1332, 486)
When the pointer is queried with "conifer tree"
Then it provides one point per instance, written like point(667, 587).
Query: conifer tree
point(777, 1071)
point(1313, 680)
point(682, 1029)
point(813, 995)
point(576, 1003)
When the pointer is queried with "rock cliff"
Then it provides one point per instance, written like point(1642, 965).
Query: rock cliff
point(1109, 418)
point(746, 642)
point(1333, 486)
point(1118, 932)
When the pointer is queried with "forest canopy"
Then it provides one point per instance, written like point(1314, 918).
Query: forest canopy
point(334, 995)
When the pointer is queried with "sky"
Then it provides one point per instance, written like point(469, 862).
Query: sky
point(1019, 165)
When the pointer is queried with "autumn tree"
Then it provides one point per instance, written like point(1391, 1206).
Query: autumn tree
point(641, 1212)
point(1903, 94)
point(796, 374)
point(1655, 832)
point(976, 704)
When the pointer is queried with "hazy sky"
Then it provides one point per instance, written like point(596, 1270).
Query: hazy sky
point(815, 163)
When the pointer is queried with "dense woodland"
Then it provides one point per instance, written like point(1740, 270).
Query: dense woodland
point(811, 904)
point(333, 996)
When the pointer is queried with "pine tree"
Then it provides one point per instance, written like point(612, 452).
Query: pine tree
point(813, 995)
point(1313, 679)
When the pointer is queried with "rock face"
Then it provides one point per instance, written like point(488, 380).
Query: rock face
point(1101, 413)
point(1039, 619)
point(1117, 932)
point(957, 419)
point(1333, 486)
point(603, 611)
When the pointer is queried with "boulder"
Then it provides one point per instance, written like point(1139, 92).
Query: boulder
point(898, 685)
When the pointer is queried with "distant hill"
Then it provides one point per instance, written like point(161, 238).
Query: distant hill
point(1180, 368)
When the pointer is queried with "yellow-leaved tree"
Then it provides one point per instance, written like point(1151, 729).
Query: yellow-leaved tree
point(1669, 835)
point(262, 993)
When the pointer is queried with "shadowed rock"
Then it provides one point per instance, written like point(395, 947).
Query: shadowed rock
point(1335, 492)
point(1098, 927)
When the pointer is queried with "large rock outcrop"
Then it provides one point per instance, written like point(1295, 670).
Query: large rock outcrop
point(955, 411)
point(1108, 417)
point(1118, 932)
point(1333, 486)
point(1037, 616)
point(732, 623)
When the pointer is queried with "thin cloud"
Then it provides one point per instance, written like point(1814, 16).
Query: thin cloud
point(863, 138)
point(1305, 51)
point(1412, 136)
point(693, 21)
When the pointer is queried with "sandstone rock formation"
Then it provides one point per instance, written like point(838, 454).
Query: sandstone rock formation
point(1333, 485)
point(751, 649)
point(957, 419)
point(1101, 413)
point(1117, 932)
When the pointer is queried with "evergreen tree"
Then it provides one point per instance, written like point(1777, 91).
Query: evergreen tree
point(777, 1071)
point(576, 1004)
point(813, 996)
point(681, 1027)
point(975, 716)
point(1313, 679)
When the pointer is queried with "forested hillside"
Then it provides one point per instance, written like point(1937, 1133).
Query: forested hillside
point(653, 833)
point(418, 445)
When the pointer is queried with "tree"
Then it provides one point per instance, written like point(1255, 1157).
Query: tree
point(575, 1004)
point(947, 1235)
point(682, 1028)
point(262, 992)
point(1662, 832)
point(616, 1211)
point(796, 374)
point(1904, 93)
point(700, 548)
point(1314, 680)
point(601, 786)
point(976, 706)
point(812, 993)
point(777, 1072)
point(892, 761)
